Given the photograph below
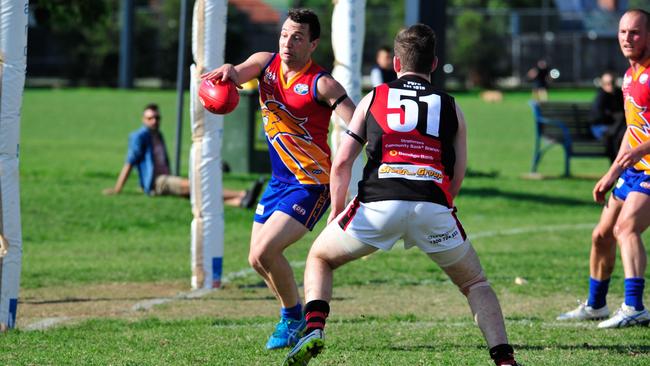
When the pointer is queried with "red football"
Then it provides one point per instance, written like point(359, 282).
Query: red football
point(218, 97)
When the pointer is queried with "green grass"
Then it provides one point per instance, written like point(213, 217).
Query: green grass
point(392, 308)
point(374, 341)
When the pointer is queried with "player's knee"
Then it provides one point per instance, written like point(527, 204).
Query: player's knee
point(320, 254)
point(602, 236)
point(335, 263)
point(260, 259)
point(624, 229)
point(479, 281)
point(254, 261)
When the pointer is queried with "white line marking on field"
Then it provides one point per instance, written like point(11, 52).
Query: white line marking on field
point(149, 304)
point(526, 322)
point(534, 229)
point(194, 294)
point(47, 323)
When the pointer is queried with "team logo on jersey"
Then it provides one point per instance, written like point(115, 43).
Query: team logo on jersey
point(279, 121)
point(301, 89)
point(294, 145)
point(626, 81)
point(638, 129)
point(643, 78)
point(635, 117)
point(270, 77)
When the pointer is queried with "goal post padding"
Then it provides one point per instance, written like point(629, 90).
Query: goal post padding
point(348, 29)
point(206, 187)
point(13, 51)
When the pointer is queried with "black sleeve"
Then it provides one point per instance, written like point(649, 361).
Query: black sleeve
point(598, 115)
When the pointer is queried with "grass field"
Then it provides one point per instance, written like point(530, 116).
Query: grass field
point(112, 273)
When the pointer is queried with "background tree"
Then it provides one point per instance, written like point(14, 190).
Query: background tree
point(476, 40)
point(84, 33)
point(384, 18)
point(640, 4)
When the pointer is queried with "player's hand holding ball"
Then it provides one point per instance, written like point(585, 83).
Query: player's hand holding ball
point(218, 97)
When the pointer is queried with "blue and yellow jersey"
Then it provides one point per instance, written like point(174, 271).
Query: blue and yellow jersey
point(636, 91)
point(296, 124)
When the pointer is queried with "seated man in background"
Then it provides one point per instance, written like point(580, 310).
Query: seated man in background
point(147, 152)
point(538, 74)
point(607, 115)
point(383, 71)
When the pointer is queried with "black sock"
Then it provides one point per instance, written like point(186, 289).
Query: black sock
point(501, 353)
point(316, 313)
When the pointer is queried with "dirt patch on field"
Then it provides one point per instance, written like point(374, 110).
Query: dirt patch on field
point(93, 301)
point(41, 308)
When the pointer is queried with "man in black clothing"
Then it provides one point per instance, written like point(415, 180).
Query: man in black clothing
point(607, 115)
point(383, 71)
point(539, 76)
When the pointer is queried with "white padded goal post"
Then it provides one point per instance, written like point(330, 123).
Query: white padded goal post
point(13, 58)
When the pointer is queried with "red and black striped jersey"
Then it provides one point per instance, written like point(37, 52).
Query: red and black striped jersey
point(411, 129)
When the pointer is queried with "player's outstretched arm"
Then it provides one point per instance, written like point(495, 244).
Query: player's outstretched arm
point(330, 92)
point(239, 74)
point(347, 152)
point(460, 147)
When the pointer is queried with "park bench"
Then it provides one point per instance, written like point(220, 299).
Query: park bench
point(565, 124)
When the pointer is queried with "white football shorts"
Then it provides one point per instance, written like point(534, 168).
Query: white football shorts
point(431, 227)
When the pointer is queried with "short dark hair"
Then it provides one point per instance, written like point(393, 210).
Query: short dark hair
point(151, 106)
point(610, 72)
point(385, 49)
point(642, 12)
point(306, 16)
point(416, 48)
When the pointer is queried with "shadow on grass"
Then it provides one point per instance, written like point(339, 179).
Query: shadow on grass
point(244, 286)
point(581, 177)
point(230, 299)
point(99, 174)
point(111, 299)
point(521, 196)
point(481, 174)
point(85, 299)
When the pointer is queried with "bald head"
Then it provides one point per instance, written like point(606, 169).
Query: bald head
point(634, 35)
point(639, 12)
